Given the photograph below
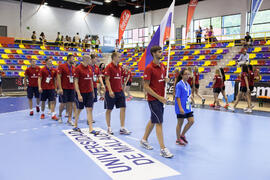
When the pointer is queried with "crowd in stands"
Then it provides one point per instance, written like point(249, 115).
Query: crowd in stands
point(89, 41)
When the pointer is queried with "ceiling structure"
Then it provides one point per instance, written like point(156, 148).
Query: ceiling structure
point(109, 7)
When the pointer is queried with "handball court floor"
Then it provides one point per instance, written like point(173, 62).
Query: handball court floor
point(222, 145)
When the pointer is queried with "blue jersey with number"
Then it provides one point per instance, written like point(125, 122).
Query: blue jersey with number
point(182, 91)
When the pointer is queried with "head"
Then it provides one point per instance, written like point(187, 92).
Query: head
point(222, 73)
point(250, 68)
point(116, 57)
point(48, 62)
point(244, 51)
point(77, 33)
point(93, 59)
point(217, 72)
point(125, 67)
point(183, 75)
point(33, 62)
point(245, 68)
point(58, 33)
point(102, 66)
point(247, 33)
point(34, 32)
point(156, 52)
point(70, 59)
point(86, 60)
point(200, 27)
point(211, 27)
point(189, 69)
point(196, 69)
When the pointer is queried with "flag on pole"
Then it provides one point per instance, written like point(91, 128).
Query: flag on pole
point(254, 8)
point(191, 9)
point(162, 34)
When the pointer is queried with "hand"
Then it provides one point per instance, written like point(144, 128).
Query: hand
point(111, 94)
point(60, 91)
point(248, 90)
point(102, 87)
point(80, 98)
point(163, 100)
point(25, 88)
point(167, 80)
point(182, 111)
point(40, 90)
point(93, 95)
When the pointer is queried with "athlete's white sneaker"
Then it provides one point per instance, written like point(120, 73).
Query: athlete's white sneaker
point(145, 145)
point(248, 111)
point(166, 153)
point(231, 109)
point(60, 120)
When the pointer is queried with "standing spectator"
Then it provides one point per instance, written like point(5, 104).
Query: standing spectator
point(206, 37)
point(42, 38)
point(210, 34)
point(244, 58)
point(62, 40)
point(248, 40)
point(34, 37)
point(85, 41)
point(77, 39)
point(199, 35)
point(97, 43)
point(58, 38)
point(122, 43)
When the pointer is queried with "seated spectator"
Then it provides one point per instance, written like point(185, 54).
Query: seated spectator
point(210, 34)
point(137, 48)
point(248, 40)
point(243, 59)
point(34, 37)
point(77, 39)
point(199, 35)
point(62, 40)
point(42, 38)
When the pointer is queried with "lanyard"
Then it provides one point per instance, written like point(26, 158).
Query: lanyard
point(187, 88)
point(93, 69)
point(49, 71)
point(70, 69)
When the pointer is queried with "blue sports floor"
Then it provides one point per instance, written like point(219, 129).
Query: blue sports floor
point(223, 145)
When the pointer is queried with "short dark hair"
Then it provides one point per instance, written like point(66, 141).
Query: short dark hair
point(47, 59)
point(92, 56)
point(114, 54)
point(69, 56)
point(154, 49)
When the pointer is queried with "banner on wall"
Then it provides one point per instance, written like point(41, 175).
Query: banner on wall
point(254, 8)
point(13, 84)
point(191, 9)
point(123, 23)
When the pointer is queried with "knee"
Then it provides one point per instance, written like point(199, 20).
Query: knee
point(191, 121)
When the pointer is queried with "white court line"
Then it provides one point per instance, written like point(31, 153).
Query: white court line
point(133, 138)
point(25, 130)
point(13, 132)
point(2, 134)
point(34, 129)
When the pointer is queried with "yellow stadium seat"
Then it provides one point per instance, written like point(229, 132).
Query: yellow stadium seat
point(19, 51)
point(125, 50)
point(227, 76)
point(1, 68)
point(187, 47)
point(129, 59)
point(136, 54)
point(207, 63)
point(207, 46)
point(55, 63)
point(196, 52)
point(2, 61)
point(252, 56)
point(21, 74)
point(62, 48)
point(253, 62)
point(238, 70)
point(26, 62)
point(24, 67)
point(231, 63)
point(201, 69)
point(42, 47)
point(137, 70)
point(219, 51)
point(185, 58)
point(179, 63)
point(21, 46)
point(120, 63)
point(231, 44)
point(41, 52)
point(201, 57)
point(267, 43)
point(7, 51)
point(172, 53)
point(165, 63)
point(79, 49)
point(4, 56)
point(41, 66)
point(257, 49)
point(34, 57)
point(0, 45)
point(79, 54)
point(65, 58)
point(134, 64)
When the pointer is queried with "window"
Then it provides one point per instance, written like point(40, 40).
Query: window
point(134, 36)
point(143, 35)
point(261, 24)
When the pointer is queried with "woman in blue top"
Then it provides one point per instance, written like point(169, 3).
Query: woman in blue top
point(183, 108)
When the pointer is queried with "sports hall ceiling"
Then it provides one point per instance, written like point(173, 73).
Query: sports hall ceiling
point(114, 7)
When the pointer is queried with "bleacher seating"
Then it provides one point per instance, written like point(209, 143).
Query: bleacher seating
point(14, 58)
point(259, 56)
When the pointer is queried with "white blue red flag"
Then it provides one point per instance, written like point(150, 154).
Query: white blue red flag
point(162, 34)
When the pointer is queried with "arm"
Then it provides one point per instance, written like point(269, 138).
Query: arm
point(60, 91)
point(108, 84)
point(25, 84)
point(246, 81)
point(39, 84)
point(55, 84)
point(76, 84)
point(92, 85)
point(153, 93)
point(101, 81)
point(180, 105)
point(127, 79)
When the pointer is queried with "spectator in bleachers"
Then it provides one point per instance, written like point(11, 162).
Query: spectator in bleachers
point(58, 38)
point(34, 37)
point(97, 43)
point(77, 39)
point(62, 40)
point(93, 42)
point(85, 41)
point(199, 35)
point(206, 37)
point(248, 40)
point(122, 43)
point(42, 38)
point(66, 41)
point(210, 34)
point(137, 48)
point(244, 58)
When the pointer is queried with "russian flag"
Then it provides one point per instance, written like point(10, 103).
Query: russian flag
point(162, 34)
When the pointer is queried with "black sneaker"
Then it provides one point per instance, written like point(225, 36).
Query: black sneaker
point(77, 129)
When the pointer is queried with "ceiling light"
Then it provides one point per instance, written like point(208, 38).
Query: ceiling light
point(108, 1)
point(45, 3)
point(82, 10)
point(111, 15)
point(137, 6)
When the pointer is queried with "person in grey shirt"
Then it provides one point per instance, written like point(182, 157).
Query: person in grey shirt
point(243, 59)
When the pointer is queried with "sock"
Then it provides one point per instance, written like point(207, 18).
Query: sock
point(122, 127)
point(53, 113)
point(109, 128)
point(31, 109)
point(42, 112)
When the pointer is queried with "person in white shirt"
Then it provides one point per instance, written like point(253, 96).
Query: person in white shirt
point(77, 39)
point(243, 59)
